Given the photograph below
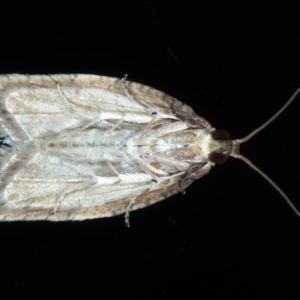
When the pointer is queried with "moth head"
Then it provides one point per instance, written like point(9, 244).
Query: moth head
point(220, 147)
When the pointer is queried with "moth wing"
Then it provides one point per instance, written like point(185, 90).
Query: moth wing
point(44, 105)
point(45, 188)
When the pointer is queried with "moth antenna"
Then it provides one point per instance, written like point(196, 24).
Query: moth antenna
point(280, 111)
point(236, 145)
point(281, 192)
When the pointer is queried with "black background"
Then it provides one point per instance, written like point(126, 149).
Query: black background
point(232, 235)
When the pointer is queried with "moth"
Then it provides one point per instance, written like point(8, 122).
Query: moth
point(75, 147)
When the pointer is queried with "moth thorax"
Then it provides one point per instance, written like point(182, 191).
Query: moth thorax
point(220, 146)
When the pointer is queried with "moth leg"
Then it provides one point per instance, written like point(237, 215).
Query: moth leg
point(113, 168)
point(91, 123)
point(143, 131)
point(118, 123)
point(105, 122)
point(132, 202)
point(179, 187)
point(109, 131)
point(195, 172)
point(127, 213)
point(101, 120)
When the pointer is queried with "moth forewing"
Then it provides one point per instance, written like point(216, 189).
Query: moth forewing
point(76, 147)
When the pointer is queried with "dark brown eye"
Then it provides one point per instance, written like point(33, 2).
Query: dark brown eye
point(221, 135)
point(218, 158)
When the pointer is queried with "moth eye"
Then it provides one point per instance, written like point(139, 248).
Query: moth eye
point(218, 158)
point(221, 135)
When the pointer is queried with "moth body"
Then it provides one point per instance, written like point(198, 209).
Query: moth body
point(75, 147)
